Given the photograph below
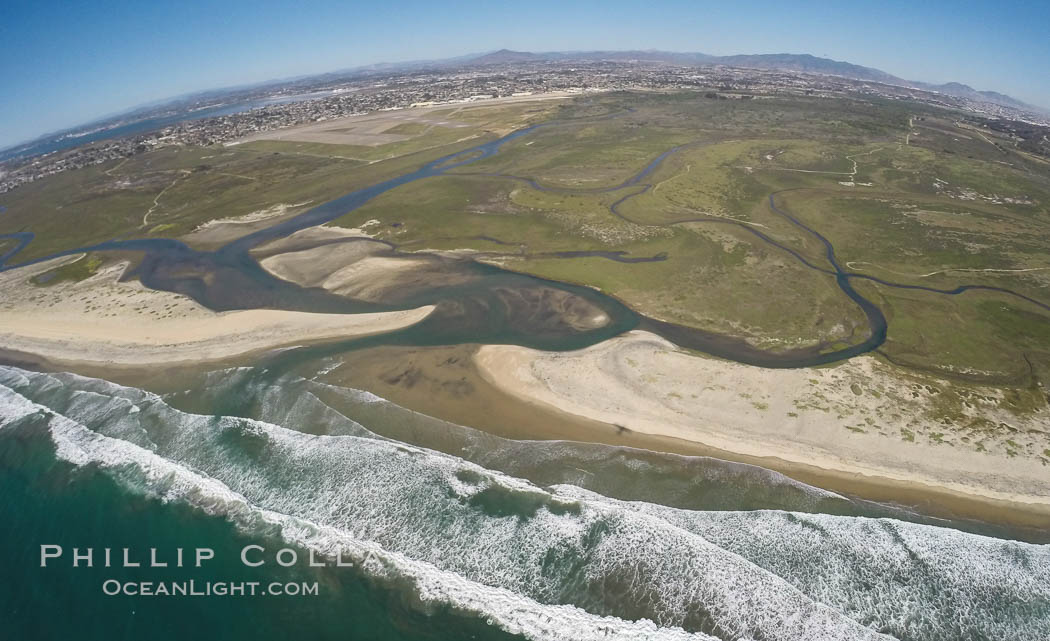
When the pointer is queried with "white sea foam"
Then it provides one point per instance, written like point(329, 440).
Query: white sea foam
point(503, 548)
point(172, 482)
point(913, 581)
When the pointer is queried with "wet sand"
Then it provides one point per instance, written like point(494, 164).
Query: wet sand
point(129, 328)
point(444, 382)
point(857, 420)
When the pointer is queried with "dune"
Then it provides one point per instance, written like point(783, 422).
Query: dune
point(858, 418)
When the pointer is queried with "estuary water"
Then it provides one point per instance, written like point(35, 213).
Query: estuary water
point(454, 534)
point(481, 311)
point(231, 278)
point(451, 533)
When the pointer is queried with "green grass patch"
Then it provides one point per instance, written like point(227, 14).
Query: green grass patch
point(81, 269)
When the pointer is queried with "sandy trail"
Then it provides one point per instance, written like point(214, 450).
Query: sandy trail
point(156, 200)
point(217, 232)
point(851, 265)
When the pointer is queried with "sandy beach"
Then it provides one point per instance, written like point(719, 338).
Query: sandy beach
point(102, 321)
point(857, 419)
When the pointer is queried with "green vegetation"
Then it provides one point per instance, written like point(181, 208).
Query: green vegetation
point(81, 269)
point(936, 204)
point(173, 190)
point(931, 212)
point(982, 336)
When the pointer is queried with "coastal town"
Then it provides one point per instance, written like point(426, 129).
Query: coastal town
point(331, 96)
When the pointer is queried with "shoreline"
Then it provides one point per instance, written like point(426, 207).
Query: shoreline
point(101, 321)
point(609, 393)
point(444, 382)
point(226, 336)
point(936, 489)
point(529, 420)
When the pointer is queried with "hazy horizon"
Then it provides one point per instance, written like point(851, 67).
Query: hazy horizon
point(74, 65)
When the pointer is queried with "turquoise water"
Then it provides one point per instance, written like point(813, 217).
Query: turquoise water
point(454, 534)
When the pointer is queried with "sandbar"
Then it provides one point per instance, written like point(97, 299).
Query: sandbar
point(103, 321)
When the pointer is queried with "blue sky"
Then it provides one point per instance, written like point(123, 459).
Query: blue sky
point(66, 63)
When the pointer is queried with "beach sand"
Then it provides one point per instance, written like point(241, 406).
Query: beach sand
point(102, 321)
point(862, 422)
point(351, 264)
point(349, 269)
point(314, 237)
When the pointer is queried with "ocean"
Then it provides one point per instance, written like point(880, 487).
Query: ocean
point(449, 533)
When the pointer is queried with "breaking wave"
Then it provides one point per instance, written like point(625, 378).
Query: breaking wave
point(552, 561)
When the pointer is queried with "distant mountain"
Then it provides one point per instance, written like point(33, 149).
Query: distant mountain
point(204, 103)
point(807, 64)
point(966, 91)
point(804, 63)
point(506, 56)
point(812, 64)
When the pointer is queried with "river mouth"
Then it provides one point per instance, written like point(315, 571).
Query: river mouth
point(476, 302)
point(304, 444)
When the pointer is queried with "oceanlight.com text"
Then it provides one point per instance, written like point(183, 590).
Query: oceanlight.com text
point(113, 587)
